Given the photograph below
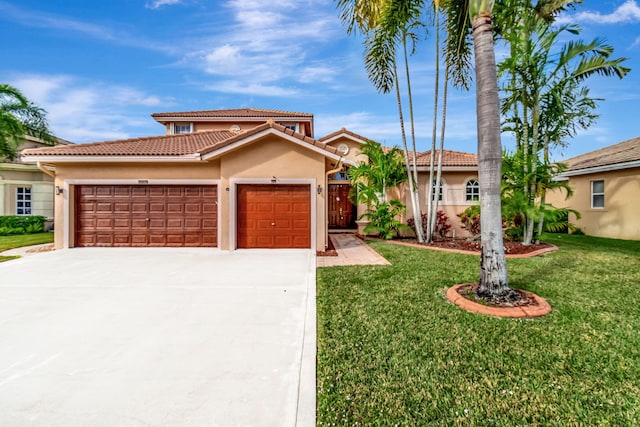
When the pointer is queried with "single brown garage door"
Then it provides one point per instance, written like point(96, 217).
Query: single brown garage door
point(274, 216)
point(141, 215)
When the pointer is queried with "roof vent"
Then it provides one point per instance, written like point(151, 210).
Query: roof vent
point(234, 128)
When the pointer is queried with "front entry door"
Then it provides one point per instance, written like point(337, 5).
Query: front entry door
point(342, 213)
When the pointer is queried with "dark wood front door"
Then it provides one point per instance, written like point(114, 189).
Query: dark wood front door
point(342, 213)
point(141, 215)
point(273, 216)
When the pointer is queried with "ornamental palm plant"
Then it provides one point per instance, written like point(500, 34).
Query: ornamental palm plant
point(19, 117)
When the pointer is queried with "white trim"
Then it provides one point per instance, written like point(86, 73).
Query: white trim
point(270, 131)
point(597, 169)
point(52, 159)
point(178, 123)
point(343, 135)
point(66, 217)
point(592, 193)
point(233, 189)
point(466, 183)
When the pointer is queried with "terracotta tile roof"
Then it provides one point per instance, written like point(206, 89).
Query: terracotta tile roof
point(237, 113)
point(340, 132)
point(623, 152)
point(239, 136)
point(449, 158)
point(169, 145)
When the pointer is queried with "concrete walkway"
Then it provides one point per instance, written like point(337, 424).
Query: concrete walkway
point(351, 251)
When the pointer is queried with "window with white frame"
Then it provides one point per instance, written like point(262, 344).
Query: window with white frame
point(597, 194)
point(23, 201)
point(433, 190)
point(472, 190)
point(182, 128)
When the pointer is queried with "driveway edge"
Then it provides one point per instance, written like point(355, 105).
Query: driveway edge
point(306, 409)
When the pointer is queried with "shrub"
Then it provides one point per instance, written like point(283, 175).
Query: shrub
point(384, 220)
point(470, 219)
point(442, 223)
point(18, 224)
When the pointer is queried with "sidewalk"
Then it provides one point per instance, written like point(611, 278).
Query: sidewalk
point(351, 251)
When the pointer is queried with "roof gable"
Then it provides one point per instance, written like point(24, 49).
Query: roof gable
point(343, 133)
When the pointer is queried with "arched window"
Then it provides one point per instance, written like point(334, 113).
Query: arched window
point(473, 190)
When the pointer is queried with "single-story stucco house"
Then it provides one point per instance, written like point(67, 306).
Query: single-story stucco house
point(606, 191)
point(241, 178)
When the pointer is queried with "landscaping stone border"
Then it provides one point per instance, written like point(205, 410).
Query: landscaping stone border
point(539, 310)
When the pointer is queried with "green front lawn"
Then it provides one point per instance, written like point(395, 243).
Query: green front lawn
point(393, 351)
point(11, 242)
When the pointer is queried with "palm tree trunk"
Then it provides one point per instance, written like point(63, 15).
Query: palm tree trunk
point(434, 192)
point(414, 187)
point(434, 212)
point(493, 271)
point(414, 204)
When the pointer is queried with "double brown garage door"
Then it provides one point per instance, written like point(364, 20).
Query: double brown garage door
point(140, 215)
point(268, 216)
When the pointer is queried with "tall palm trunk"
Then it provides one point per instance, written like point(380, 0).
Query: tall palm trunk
point(493, 271)
point(414, 203)
point(414, 187)
point(434, 212)
point(434, 192)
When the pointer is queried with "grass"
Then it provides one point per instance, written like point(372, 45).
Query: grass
point(393, 352)
point(11, 242)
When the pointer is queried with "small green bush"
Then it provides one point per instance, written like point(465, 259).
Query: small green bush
point(18, 224)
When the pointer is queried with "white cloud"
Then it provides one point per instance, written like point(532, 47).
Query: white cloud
point(266, 46)
point(80, 110)
point(156, 4)
point(254, 89)
point(628, 12)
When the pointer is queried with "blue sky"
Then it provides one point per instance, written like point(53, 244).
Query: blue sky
point(100, 68)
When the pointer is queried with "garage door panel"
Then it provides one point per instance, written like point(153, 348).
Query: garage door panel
point(104, 207)
point(125, 215)
point(273, 216)
point(191, 208)
point(104, 223)
point(139, 207)
point(175, 208)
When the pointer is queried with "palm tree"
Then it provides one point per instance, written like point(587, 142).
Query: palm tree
point(370, 181)
point(387, 24)
point(476, 15)
point(19, 117)
point(536, 71)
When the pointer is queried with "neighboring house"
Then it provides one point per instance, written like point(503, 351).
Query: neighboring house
point(26, 189)
point(606, 191)
point(242, 178)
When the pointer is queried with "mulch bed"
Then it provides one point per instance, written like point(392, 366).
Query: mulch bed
point(511, 248)
point(468, 291)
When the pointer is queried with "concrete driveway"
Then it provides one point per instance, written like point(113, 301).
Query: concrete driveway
point(158, 337)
